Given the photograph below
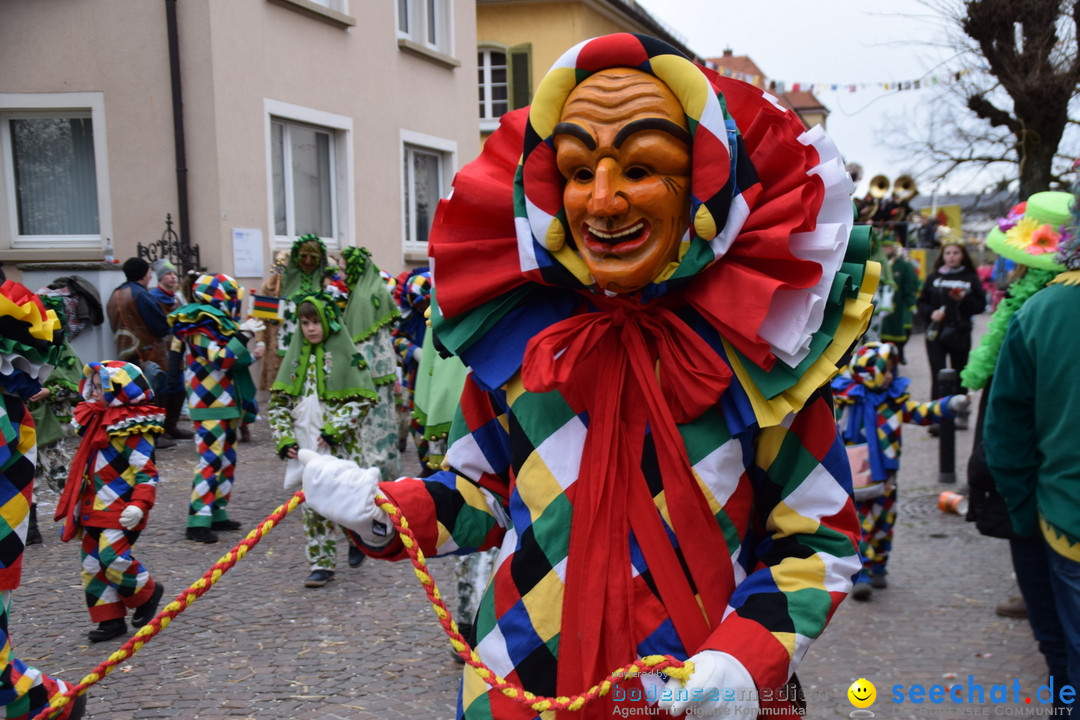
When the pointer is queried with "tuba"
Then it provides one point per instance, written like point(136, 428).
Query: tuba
point(879, 187)
point(904, 188)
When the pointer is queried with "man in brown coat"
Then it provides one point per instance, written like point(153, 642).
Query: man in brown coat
point(141, 337)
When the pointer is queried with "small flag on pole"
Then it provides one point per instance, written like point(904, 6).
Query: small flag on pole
point(266, 306)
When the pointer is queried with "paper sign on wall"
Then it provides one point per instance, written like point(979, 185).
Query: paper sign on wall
point(247, 245)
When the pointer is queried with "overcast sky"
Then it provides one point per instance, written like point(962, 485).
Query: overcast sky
point(837, 42)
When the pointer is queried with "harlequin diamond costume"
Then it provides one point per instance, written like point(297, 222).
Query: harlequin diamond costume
point(30, 339)
point(872, 408)
point(109, 492)
point(658, 468)
point(221, 394)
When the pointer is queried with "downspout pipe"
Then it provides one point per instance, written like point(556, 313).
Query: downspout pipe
point(178, 137)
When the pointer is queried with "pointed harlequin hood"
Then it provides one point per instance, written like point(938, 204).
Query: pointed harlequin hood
point(214, 309)
point(771, 260)
point(126, 398)
point(871, 362)
point(219, 291)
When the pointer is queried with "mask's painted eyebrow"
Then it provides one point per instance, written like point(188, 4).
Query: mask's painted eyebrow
point(566, 128)
point(643, 124)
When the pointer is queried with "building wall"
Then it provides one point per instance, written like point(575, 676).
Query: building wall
point(236, 57)
point(119, 49)
point(551, 27)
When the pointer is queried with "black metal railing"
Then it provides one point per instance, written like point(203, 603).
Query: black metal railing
point(170, 246)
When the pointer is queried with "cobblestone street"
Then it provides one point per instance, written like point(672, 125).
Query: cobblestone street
point(260, 645)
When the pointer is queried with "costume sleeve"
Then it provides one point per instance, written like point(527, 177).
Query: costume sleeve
point(137, 450)
point(1010, 437)
point(405, 348)
point(280, 418)
point(152, 315)
point(927, 413)
point(806, 550)
point(465, 508)
point(222, 356)
point(343, 417)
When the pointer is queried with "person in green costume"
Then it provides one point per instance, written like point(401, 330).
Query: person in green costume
point(896, 327)
point(318, 402)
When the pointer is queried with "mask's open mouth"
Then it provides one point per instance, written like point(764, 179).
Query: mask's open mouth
point(618, 241)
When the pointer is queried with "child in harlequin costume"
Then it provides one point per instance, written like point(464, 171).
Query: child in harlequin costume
point(221, 394)
point(318, 403)
point(413, 295)
point(109, 492)
point(872, 403)
point(369, 319)
point(30, 337)
point(651, 273)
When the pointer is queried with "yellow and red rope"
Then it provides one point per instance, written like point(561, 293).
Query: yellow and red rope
point(653, 663)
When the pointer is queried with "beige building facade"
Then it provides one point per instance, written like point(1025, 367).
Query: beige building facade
point(346, 118)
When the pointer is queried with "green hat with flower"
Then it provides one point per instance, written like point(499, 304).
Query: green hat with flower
point(1032, 231)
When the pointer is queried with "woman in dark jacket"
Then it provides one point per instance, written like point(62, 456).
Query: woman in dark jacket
point(951, 295)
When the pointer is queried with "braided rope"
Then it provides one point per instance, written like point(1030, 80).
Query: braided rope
point(671, 666)
point(540, 703)
point(177, 606)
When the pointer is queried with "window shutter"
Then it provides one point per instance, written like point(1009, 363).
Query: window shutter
point(520, 75)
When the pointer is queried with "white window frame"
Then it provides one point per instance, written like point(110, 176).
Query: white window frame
point(418, 21)
point(488, 121)
point(343, 205)
point(447, 149)
point(73, 105)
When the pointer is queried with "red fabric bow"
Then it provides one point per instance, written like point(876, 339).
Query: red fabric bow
point(91, 416)
point(634, 370)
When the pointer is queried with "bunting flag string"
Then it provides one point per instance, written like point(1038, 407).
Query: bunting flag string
point(781, 86)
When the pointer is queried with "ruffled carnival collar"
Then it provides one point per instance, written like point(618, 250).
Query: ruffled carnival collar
point(772, 261)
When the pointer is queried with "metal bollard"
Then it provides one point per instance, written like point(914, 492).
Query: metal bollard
point(947, 385)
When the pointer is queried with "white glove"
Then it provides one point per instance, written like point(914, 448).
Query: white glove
point(131, 516)
point(958, 404)
point(252, 325)
point(718, 684)
point(343, 492)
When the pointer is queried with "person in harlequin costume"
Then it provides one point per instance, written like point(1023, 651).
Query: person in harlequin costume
point(318, 403)
point(872, 404)
point(109, 493)
point(221, 394)
point(30, 338)
point(412, 292)
point(651, 273)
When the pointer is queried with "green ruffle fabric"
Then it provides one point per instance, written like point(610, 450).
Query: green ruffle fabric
point(845, 286)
